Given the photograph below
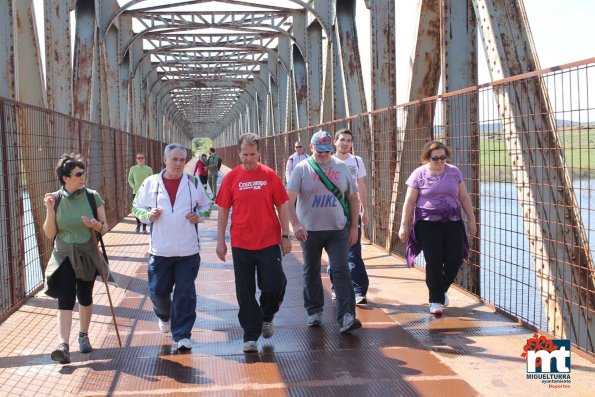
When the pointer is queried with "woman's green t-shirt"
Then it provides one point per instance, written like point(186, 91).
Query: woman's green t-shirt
point(71, 228)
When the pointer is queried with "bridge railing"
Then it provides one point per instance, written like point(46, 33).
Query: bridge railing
point(31, 141)
point(526, 146)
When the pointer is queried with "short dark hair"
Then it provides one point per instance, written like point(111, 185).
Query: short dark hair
point(212, 150)
point(249, 139)
point(67, 163)
point(429, 147)
point(344, 131)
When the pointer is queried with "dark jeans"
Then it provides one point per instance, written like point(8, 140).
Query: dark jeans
point(357, 267)
point(203, 180)
point(266, 264)
point(181, 271)
point(442, 244)
point(336, 244)
point(71, 288)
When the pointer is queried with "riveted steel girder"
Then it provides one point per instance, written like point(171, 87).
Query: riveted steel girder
point(27, 61)
point(459, 70)
point(86, 76)
point(557, 237)
point(425, 75)
point(7, 50)
point(58, 65)
point(380, 148)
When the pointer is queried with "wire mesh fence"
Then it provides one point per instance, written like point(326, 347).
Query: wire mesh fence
point(31, 142)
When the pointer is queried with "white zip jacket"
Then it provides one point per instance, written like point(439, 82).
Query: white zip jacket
point(171, 234)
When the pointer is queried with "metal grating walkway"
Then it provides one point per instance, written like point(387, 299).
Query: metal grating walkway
point(401, 351)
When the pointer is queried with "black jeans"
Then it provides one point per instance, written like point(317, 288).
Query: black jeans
point(443, 247)
point(266, 263)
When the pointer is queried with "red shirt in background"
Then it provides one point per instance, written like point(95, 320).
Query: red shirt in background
point(253, 196)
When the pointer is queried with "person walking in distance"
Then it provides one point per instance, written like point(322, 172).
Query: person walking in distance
point(294, 159)
point(137, 174)
point(170, 202)
point(326, 218)
point(202, 171)
point(259, 235)
point(213, 166)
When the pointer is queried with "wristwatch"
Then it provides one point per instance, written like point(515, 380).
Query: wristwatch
point(285, 236)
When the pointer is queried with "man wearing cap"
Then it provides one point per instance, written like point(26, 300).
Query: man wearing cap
point(294, 159)
point(325, 219)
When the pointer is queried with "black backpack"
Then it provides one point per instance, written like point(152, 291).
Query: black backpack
point(93, 205)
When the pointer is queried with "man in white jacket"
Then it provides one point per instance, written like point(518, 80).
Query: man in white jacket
point(171, 203)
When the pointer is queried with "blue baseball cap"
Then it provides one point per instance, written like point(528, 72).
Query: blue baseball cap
point(322, 141)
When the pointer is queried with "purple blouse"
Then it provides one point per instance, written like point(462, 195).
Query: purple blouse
point(437, 192)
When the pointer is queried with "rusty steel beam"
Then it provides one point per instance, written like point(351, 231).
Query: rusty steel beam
point(7, 60)
point(58, 53)
point(557, 237)
point(85, 76)
point(381, 148)
point(315, 71)
point(350, 56)
point(461, 119)
point(425, 77)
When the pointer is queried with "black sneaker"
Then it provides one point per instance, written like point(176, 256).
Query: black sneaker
point(138, 228)
point(61, 354)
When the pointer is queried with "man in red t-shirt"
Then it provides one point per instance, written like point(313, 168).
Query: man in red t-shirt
point(258, 237)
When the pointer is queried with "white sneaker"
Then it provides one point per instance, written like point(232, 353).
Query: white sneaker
point(446, 301)
point(250, 347)
point(315, 320)
point(164, 326)
point(435, 308)
point(268, 329)
point(184, 344)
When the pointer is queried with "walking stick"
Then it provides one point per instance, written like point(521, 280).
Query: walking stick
point(109, 297)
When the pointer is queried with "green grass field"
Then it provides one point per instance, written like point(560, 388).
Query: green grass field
point(578, 147)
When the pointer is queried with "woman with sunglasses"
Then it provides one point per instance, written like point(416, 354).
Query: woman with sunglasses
point(74, 263)
point(435, 196)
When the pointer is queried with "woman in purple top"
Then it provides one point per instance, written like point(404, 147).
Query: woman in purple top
point(435, 195)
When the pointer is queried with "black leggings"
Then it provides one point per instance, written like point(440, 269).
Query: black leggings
point(443, 247)
point(70, 287)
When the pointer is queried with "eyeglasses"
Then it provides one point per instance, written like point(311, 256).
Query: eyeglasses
point(78, 174)
point(324, 151)
point(436, 158)
point(298, 147)
point(140, 158)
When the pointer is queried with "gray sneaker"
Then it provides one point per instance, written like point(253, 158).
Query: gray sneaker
point(61, 354)
point(85, 344)
point(315, 320)
point(350, 323)
point(268, 329)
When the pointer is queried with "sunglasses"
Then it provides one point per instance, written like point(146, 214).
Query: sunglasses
point(436, 158)
point(140, 158)
point(298, 147)
point(78, 174)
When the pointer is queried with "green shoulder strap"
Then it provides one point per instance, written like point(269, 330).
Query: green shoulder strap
point(331, 186)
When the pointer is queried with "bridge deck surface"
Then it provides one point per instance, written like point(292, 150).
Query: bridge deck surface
point(401, 350)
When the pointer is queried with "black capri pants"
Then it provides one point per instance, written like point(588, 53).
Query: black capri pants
point(70, 287)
